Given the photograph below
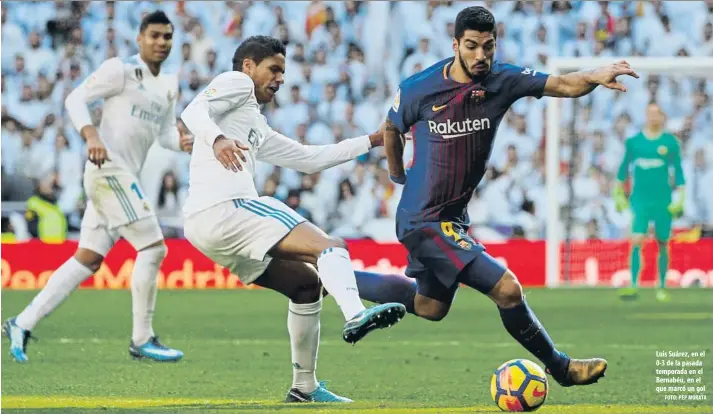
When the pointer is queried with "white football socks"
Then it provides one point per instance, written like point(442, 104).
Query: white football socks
point(143, 291)
point(337, 276)
point(303, 326)
point(62, 282)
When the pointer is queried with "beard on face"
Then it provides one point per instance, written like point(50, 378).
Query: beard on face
point(464, 66)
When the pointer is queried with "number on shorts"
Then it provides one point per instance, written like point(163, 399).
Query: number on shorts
point(449, 231)
point(135, 188)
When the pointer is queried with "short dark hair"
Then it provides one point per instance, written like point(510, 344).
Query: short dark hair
point(157, 17)
point(295, 192)
point(475, 18)
point(257, 48)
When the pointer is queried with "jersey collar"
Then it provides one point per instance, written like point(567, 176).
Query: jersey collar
point(145, 66)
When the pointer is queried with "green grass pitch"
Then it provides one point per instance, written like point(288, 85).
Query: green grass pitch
point(237, 354)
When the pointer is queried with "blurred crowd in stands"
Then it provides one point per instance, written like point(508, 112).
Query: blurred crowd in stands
point(344, 63)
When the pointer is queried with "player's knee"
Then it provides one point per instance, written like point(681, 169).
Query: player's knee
point(637, 240)
point(430, 309)
point(329, 242)
point(89, 259)
point(153, 254)
point(508, 292)
point(336, 242)
point(158, 249)
point(308, 293)
point(432, 314)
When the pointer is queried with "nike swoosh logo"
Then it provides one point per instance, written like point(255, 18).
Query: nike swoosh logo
point(436, 108)
point(456, 136)
point(537, 393)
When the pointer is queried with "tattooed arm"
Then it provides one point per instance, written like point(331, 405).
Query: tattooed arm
point(394, 146)
point(576, 84)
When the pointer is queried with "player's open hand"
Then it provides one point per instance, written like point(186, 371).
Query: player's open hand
point(227, 151)
point(96, 152)
point(606, 76)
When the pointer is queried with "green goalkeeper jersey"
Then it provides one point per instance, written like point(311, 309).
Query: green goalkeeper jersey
point(651, 161)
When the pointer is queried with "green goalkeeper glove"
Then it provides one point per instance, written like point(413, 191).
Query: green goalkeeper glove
point(676, 206)
point(620, 200)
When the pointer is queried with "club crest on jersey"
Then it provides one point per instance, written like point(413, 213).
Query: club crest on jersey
point(397, 101)
point(92, 80)
point(464, 245)
point(478, 95)
point(139, 74)
point(662, 150)
point(209, 92)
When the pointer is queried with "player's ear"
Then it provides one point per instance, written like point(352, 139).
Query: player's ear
point(248, 66)
point(455, 44)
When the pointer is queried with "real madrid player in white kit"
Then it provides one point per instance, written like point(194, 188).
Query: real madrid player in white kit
point(260, 239)
point(139, 106)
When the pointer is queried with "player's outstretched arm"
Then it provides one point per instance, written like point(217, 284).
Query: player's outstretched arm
point(288, 153)
point(576, 84)
point(106, 81)
point(394, 148)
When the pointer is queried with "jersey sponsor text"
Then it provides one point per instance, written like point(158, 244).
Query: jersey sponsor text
point(450, 129)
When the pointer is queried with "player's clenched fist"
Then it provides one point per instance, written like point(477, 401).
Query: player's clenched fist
point(227, 152)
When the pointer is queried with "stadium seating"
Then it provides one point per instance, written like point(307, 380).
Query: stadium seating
point(345, 61)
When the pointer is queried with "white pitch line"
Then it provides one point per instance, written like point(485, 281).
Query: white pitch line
point(258, 342)
point(253, 342)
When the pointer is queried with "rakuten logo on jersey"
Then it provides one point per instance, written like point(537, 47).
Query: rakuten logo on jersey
point(450, 129)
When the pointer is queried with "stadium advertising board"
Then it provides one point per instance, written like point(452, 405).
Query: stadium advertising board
point(595, 263)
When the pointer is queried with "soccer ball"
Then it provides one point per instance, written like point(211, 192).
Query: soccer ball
point(519, 385)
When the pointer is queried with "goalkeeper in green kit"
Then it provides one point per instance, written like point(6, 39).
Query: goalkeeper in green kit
point(655, 197)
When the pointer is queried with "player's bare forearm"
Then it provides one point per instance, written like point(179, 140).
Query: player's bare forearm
point(576, 84)
point(394, 148)
point(89, 133)
point(571, 85)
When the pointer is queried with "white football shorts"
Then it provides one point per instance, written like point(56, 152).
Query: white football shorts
point(238, 234)
point(116, 207)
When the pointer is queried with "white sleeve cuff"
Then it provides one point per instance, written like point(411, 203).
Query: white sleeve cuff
point(363, 141)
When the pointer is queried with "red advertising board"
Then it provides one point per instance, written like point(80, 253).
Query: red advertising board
point(597, 263)
point(606, 263)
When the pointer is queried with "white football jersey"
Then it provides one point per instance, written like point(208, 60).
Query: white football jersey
point(228, 107)
point(138, 108)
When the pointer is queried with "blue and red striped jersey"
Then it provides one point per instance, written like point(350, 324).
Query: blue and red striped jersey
point(453, 126)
